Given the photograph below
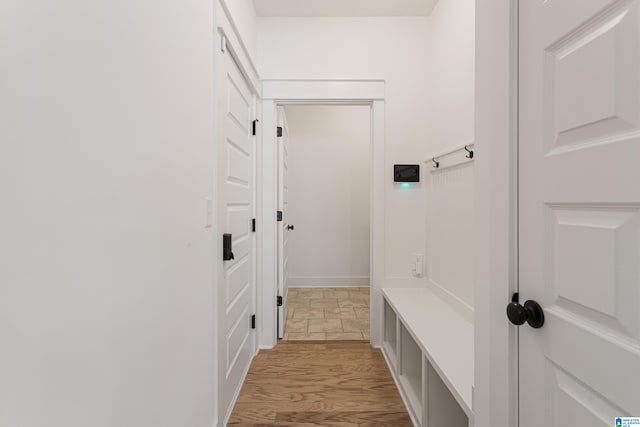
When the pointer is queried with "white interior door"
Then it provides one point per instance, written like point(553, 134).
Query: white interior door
point(284, 226)
point(579, 191)
point(236, 195)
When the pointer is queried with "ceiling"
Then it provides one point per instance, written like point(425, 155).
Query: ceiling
point(346, 8)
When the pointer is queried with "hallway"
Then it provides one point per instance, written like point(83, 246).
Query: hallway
point(300, 212)
point(312, 384)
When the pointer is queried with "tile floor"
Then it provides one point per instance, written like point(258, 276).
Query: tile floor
point(327, 314)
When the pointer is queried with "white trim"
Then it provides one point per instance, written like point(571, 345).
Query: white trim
point(328, 282)
point(456, 303)
point(495, 395)
point(267, 227)
point(328, 90)
point(254, 213)
point(227, 28)
point(377, 219)
point(344, 92)
point(404, 282)
point(215, 255)
point(235, 397)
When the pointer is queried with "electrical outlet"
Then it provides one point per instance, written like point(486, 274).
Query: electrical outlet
point(418, 265)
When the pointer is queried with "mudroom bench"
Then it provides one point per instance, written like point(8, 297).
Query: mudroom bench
point(429, 349)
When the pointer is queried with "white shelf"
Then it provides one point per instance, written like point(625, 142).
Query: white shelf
point(444, 336)
point(410, 372)
point(390, 339)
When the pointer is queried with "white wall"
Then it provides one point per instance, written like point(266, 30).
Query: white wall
point(329, 195)
point(450, 111)
point(391, 49)
point(450, 45)
point(106, 289)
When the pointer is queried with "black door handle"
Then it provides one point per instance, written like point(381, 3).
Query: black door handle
point(289, 227)
point(531, 313)
point(227, 253)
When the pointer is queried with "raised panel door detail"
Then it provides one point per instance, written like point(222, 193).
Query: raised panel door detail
point(236, 339)
point(575, 403)
point(595, 263)
point(592, 80)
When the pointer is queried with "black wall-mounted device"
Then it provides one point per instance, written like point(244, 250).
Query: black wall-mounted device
point(406, 173)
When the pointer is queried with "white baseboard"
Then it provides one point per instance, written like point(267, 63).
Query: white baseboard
point(403, 282)
point(328, 282)
point(453, 300)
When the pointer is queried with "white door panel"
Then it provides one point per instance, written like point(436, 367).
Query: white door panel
point(579, 213)
point(236, 194)
point(283, 226)
point(286, 245)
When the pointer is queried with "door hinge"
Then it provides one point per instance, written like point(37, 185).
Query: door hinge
point(253, 321)
point(253, 225)
point(279, 216)
point(255, 125)
point(279, 301)
point(279, 131)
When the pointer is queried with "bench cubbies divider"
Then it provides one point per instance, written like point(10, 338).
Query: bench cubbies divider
point(429, 349)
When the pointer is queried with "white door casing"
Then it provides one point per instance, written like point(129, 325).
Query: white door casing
point(283, 226)
point(236, 186)
point(579, 210)
point(327, 92)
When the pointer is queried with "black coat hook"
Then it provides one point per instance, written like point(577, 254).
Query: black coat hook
point(470, 155)
point(436, 163)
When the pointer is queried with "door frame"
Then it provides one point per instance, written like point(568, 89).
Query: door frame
point(316, 92)
point(281, 121)
point(495, 398)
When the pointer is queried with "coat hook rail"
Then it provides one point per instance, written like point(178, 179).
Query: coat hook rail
point(468, 149)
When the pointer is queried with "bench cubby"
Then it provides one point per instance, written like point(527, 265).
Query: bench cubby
point(429, 349)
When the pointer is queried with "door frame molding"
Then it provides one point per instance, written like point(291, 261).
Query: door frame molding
point(496, 132)
point(316, 92)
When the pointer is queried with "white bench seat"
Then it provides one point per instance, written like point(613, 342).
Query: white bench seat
point(444, 336)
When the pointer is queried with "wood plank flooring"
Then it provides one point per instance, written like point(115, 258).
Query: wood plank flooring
point(330, 383)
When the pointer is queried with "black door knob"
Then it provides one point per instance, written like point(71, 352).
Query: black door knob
point(531, 313)
point(289, 227)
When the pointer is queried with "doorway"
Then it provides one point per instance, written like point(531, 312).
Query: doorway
point(323, 268)
point(294, 92)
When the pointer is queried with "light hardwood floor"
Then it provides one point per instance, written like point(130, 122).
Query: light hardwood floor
point(332, 383)
point(327, 314)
